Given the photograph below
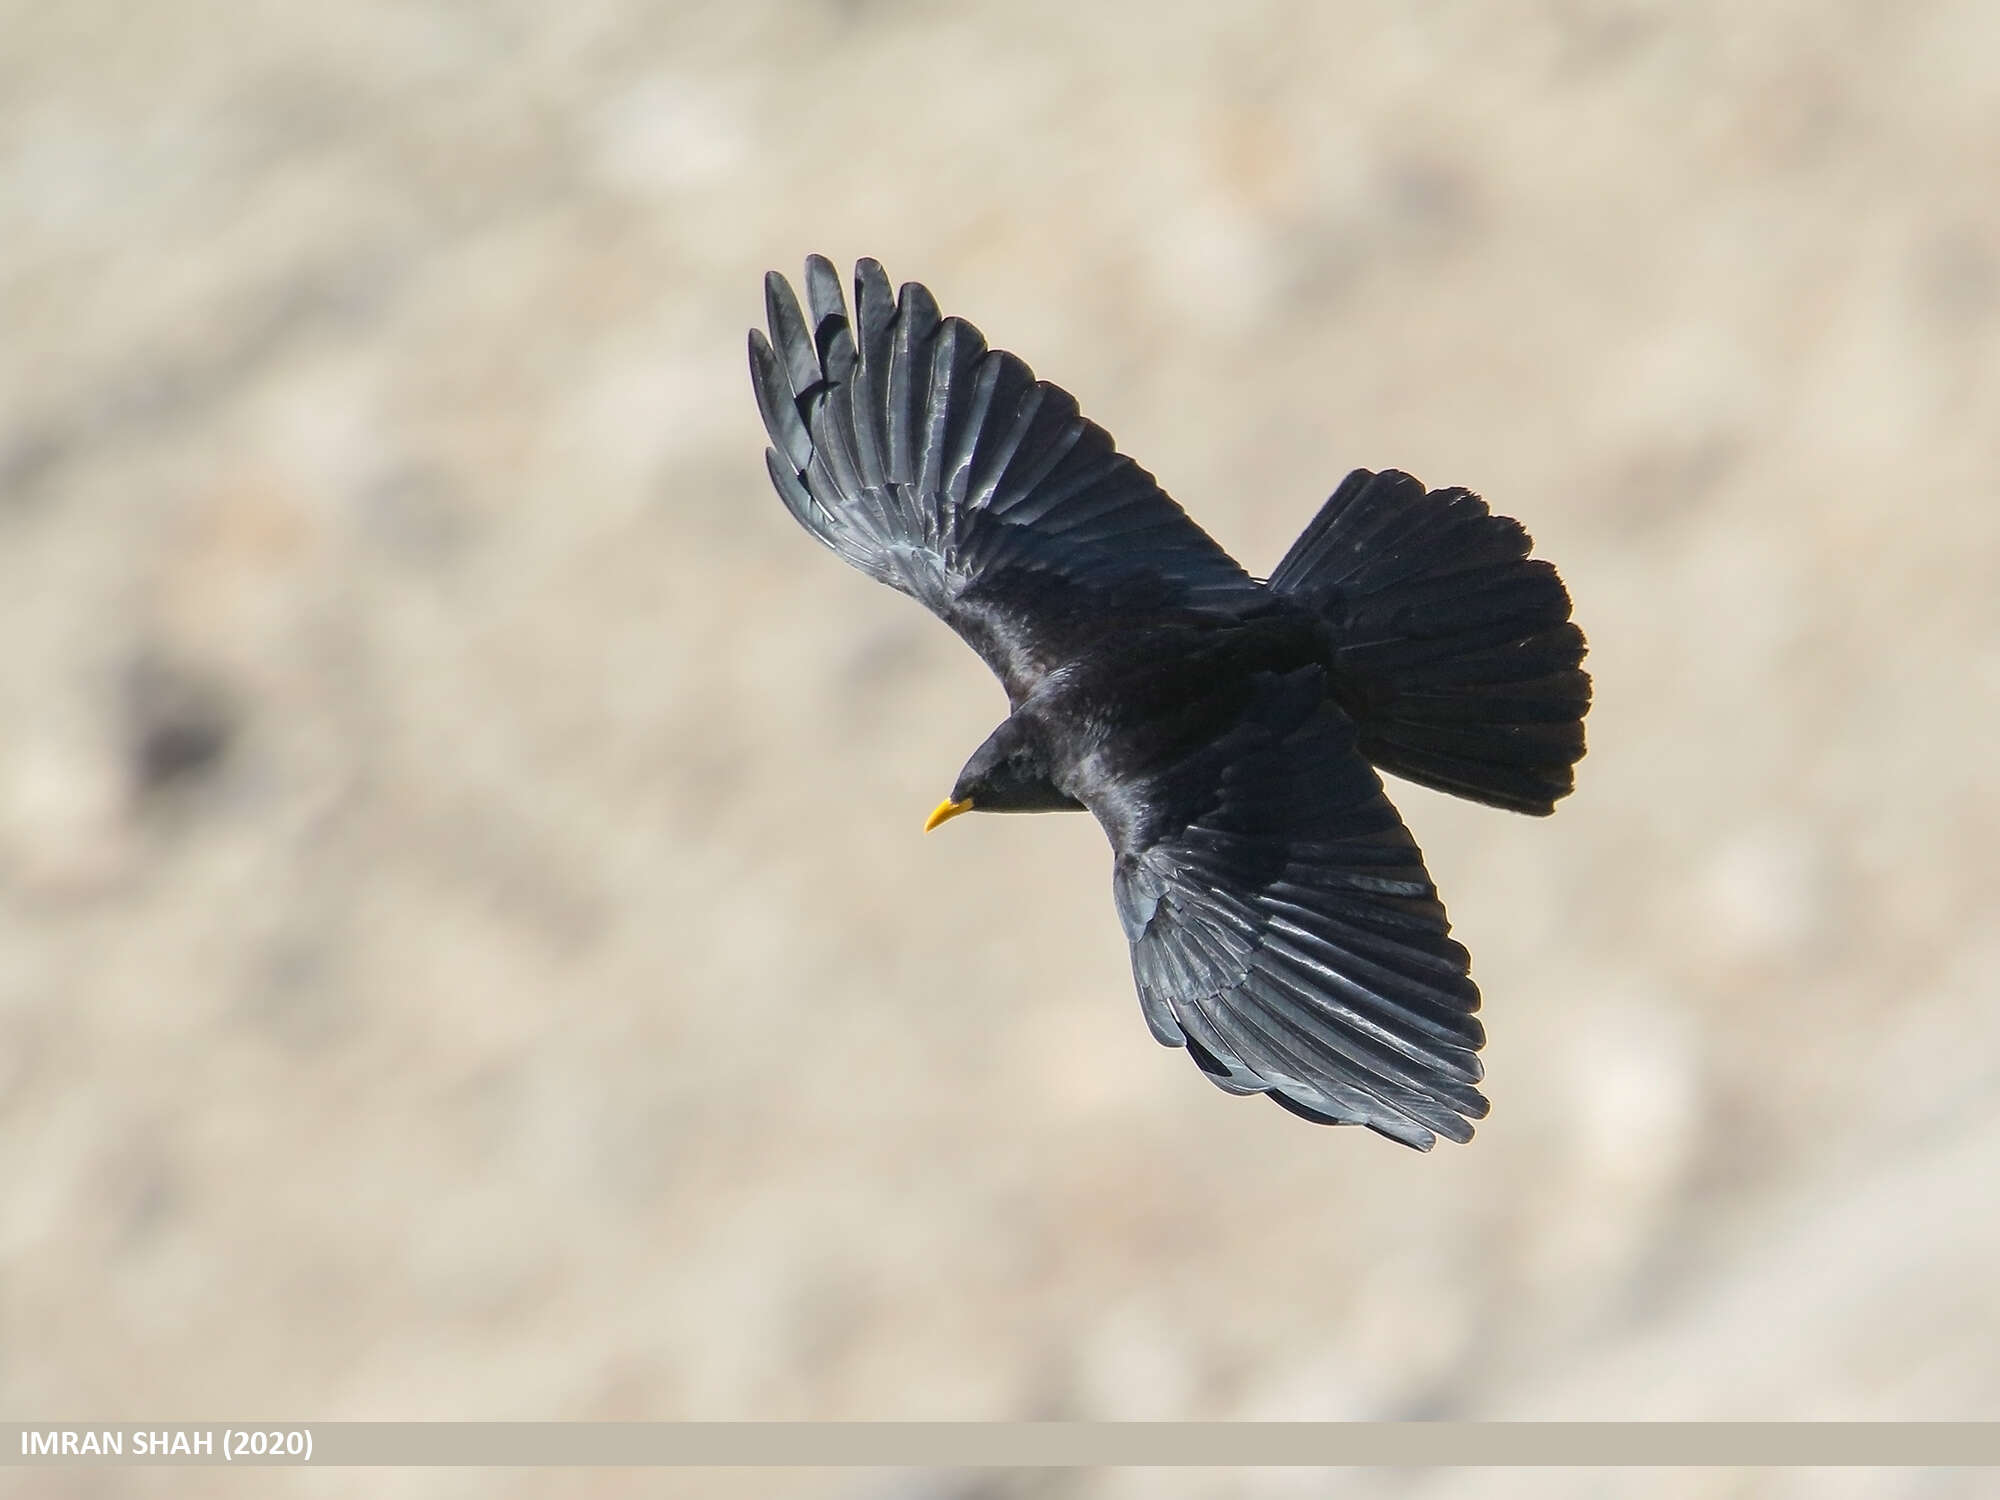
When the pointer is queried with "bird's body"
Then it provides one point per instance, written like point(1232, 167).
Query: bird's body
point(1149, 696)
point(1221, 729)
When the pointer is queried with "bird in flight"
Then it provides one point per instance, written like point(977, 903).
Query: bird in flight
point(1225, 732)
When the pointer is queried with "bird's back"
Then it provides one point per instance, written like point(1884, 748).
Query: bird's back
point(1153, 693)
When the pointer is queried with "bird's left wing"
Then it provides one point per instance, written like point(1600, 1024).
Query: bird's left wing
point(1284, 929)
point(946, 470)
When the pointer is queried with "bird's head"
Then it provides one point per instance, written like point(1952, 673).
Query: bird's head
point(1009, 773)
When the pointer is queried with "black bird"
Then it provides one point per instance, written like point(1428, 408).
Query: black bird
point(1223, 730)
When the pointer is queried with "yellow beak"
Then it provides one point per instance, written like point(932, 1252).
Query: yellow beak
point(946, 811)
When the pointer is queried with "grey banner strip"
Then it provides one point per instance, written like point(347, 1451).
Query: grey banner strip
point(1005, 1444)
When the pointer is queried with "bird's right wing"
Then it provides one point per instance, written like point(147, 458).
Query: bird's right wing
point(946, 470)
point(1285, 931)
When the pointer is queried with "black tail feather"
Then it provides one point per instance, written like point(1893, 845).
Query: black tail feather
point(1454, 650)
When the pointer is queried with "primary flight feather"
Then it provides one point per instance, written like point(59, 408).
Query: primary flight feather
point(1224, 731)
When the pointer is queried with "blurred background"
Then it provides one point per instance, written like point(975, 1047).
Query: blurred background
point(466, 946)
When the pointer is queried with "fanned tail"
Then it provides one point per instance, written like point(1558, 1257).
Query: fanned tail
point(1454, 650)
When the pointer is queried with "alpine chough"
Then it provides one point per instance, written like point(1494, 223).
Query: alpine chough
point(1225, 732)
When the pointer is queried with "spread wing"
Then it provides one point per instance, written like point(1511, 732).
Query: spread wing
point(946, 470)
point(1284, 930)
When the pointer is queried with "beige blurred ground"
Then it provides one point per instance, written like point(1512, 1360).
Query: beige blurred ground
point(466, 948)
